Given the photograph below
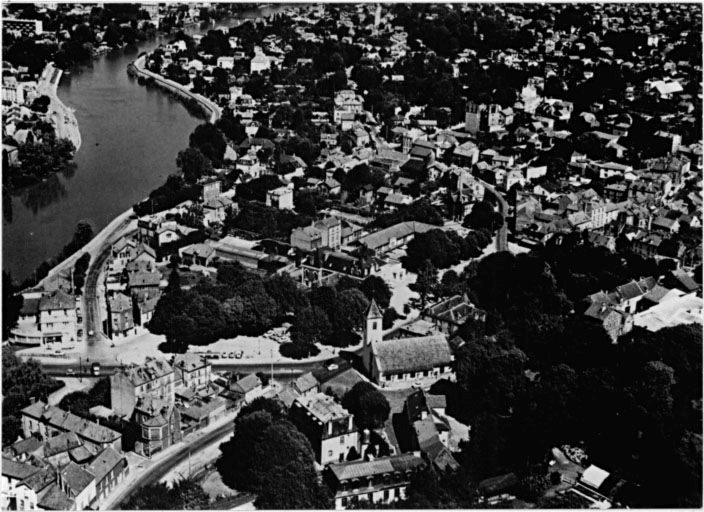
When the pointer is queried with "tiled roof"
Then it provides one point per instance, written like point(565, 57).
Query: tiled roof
point(76, 478)
point(17, 470)
point(305, 382)
point(152, 369)
point(247, 384)
point(401, 230)
point(56, 499)
point(58, 299)
point(385, 465)
point(190, 362)
point(68, 422)
point(61, 443)
point(404, 355)
point(41, 479)
point(104, 463)
point(29, 445)
point(323, 407)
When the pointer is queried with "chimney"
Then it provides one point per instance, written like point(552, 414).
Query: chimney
point(32, 399)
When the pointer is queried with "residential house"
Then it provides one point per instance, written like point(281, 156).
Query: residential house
point(58, 319)
point(449, 314)
point(379, 481)
point(328, 426)
point(155, 378)
point(49, 421)
point(281, 198)
point(193, 371)
point(120, 315)
point(247, 388)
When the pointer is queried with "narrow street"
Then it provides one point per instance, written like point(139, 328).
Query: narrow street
point(154, 471)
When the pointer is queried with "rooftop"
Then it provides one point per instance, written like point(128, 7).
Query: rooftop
point(323, 407)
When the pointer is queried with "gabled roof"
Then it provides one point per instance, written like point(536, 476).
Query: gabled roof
point(57, 299)
point(305, 383)
point(17, 470)
point(247, 384)
point(403, 355)
point(401, 464)
point(76, 478)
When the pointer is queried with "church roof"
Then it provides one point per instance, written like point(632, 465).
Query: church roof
point(403, 355)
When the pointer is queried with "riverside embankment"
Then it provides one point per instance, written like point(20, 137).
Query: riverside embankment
point(209, 108)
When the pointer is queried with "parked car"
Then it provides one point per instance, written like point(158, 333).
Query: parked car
point(239, 354)
point(70, 371)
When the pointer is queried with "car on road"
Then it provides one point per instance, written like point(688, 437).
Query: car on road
point(70, 371)
point(239, 354)
point(224, 355)
point(231, 355)
point(91, 333)
point(95, 369)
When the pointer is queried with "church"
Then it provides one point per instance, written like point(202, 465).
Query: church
point(402, 362)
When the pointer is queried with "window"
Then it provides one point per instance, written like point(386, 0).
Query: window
point(329, 453)
point(386, 494)
point(343, 502)
point(342, 439)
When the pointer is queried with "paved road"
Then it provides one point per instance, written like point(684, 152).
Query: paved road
point(91, 296)
point(502, 234)
point(154, 473)
point(281, 370)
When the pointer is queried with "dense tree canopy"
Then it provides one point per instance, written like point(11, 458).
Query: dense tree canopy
point(269, 456)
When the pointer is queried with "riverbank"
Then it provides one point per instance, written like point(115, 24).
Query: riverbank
point(211, 110)
point(64, 117)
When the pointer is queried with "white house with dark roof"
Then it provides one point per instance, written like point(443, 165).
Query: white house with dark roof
point(328, 426)
point(380, 481)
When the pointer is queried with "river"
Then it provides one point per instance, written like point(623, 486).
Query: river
point(131, 136)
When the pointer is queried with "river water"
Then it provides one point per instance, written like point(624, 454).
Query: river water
point(131, 135)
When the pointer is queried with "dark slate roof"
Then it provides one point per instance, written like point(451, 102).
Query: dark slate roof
point(57, 299)
point(29, 445)
point(61, 443)
point(305, 382)
point(17, 470)
point(76, 478)
point(56, 499)
point(104, 463)
point(373, 310)
point(247, 384)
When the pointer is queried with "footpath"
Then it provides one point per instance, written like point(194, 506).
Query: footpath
point(207, 105)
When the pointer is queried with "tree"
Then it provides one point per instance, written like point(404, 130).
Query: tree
point(269, 456)
point(79, 271)
point(312, 326)
point(483, 216)
point(182, 495)
point(369, 407)
point(21, 381)
point(210, 141)
point(375, 288)
point(193, 164)
point(426, 281)
point(11, 304)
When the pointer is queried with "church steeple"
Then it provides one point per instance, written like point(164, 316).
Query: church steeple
point(372, 334)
